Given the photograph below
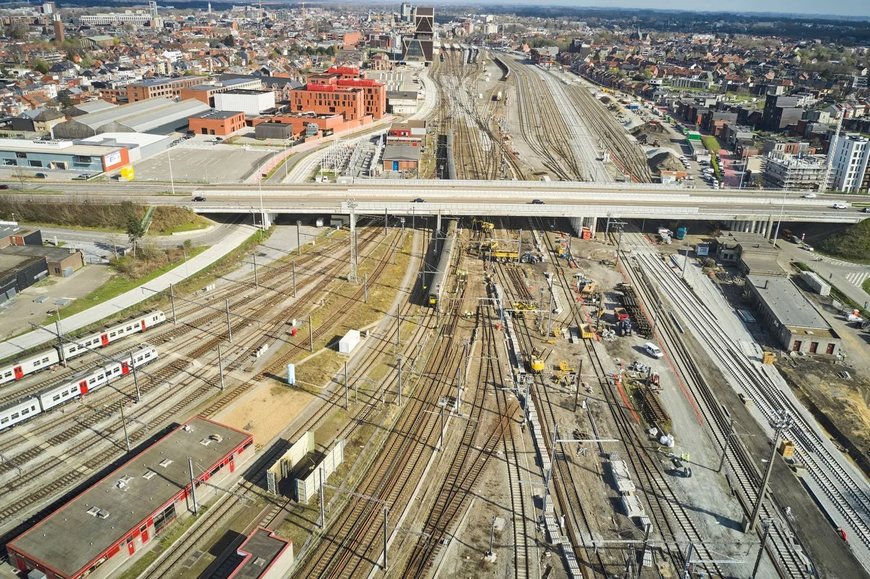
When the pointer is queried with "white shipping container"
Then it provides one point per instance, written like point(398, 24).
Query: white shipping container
point(349, 342)
point(816, 283)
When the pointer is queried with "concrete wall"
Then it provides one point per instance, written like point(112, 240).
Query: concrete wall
point(308, 487)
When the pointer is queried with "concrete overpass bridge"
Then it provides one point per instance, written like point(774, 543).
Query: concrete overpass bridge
point(583, 203)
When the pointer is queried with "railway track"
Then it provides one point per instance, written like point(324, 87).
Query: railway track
point(349, 546)
point(847, 495)
point(467, 464)
point(81, 422)
point(171, 562)
point(667, 511)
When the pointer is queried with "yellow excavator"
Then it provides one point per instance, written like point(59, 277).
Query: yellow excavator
point(538, 361)
point(484, 225)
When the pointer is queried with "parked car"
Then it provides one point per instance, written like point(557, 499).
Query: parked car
point(82, 177)
point(41, 176)
point(653, 350)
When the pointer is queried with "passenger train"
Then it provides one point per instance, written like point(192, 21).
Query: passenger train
point(74, 386)
point(43, 360)
point(436, 288)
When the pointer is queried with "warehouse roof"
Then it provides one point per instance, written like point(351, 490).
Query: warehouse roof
point(401, 153)
point(53, 147)
point(12, 263)
point(257, 554)
point(78, 533)
point(787, 303)
point(219, 115)
point(140, 116)
point(50, 253)
point(162, 81)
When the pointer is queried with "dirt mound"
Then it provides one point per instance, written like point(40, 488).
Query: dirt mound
point(650, 133)
point(664, 160)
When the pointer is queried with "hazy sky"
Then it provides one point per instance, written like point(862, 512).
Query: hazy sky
point(859, 8)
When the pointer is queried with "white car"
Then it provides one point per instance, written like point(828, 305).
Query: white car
point(839, 206)
point(653, 350)
point(809, 196)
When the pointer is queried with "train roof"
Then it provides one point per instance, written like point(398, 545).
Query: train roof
point(78, 533)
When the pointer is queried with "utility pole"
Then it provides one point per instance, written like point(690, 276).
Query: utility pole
point(193, 486)
point(767, 526)
point(646, 534)
point(172, 301)
point(322, 499)
point(135, 380)
point(256, 281)
point(688, 564)
point(386, 221)
point(229, 327)
point(781, 422)
point(221, 366)
point(577, 385)
point(728, 436)
point(346, 393)
point(293, 268)
point(366, 288)
point(124, 424)
point(520, 248)
point(310, 334)
point(386, 535)
point(298, 236)
point(59, 337)
point(399, 368)
point(353, 260)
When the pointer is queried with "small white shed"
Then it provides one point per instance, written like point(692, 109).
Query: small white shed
point(349, 342)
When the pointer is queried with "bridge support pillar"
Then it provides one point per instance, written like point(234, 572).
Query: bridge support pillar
point(263, 220)
point(751, 225)
point(591, 223)
point(577, 224)
point(769, 233)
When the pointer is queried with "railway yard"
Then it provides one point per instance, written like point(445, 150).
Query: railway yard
point(431, 396)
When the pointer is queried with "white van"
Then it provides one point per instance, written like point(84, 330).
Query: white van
point(653, 350)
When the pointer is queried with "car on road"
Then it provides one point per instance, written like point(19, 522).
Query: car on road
point(653, 350)
point(82, 177)
point(41, 176)
point(4, 186)
point(809, 195)
point(418, 200)
point(866, 209)
point(199, 198)
point(839, 206)
point(537, 202)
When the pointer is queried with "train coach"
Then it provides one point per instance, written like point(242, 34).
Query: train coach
point(75, 386)
point(101, 339)
point(439, 280)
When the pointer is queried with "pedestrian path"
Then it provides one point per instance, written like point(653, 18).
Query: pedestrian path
point(93, 315)
point(857, 278)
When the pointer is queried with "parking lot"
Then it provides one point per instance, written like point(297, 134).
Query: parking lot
point(201, 160)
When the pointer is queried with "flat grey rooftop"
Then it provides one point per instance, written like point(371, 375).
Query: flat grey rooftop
point(787, 303)
point(72, 537)
point(263, 549)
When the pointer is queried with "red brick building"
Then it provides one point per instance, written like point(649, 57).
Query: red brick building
point(344, 77)
point(324, 99)
point(220, 123)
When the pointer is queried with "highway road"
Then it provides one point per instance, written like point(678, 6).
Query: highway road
point(557, 199)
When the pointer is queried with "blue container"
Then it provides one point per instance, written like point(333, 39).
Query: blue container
point(681, 232)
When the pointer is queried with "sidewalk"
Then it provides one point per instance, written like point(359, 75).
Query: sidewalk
point(132, 297)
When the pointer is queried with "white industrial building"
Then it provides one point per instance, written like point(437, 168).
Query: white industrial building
point(849, 163)
point(250, 102)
